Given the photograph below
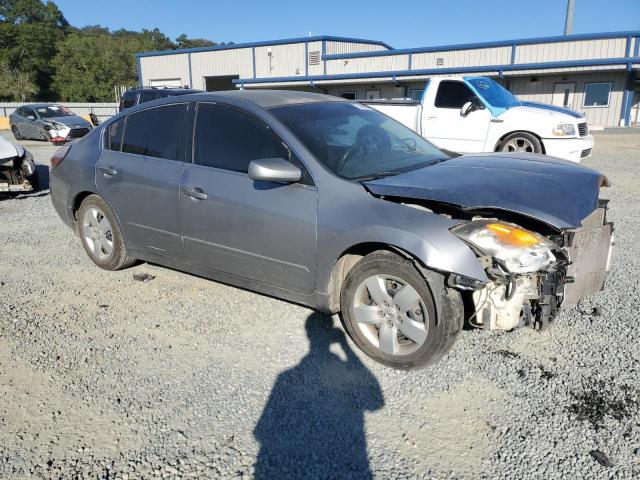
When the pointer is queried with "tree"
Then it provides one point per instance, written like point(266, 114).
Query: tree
point(183, 42)
point(89, 66)
point(16, 85)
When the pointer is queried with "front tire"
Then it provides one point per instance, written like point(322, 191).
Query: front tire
point(101, 235)
point(521, 142)
point(389, 311)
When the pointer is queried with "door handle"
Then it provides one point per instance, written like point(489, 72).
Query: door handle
point(195, 192)
point(108, 171)
point(433, 117)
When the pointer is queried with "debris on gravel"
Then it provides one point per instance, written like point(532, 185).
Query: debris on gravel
point(189, 378)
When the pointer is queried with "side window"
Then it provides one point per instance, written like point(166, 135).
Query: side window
point(21, 112)
point(156, 132)
point(128, 99)
point(452, 94)
point(228, 139)
point(113, 135)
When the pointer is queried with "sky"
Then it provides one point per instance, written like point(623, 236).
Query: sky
point(409, 23)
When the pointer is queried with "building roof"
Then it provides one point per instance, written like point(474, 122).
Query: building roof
point(285, 41)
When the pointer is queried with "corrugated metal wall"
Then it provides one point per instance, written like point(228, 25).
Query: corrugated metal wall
point(165, 67)
point(578, 50)
point(350, 47)
point(319, 68)
point(462, 58)
point(368, 64)
point(221, 62)
point(542, 91)
point(285, 60)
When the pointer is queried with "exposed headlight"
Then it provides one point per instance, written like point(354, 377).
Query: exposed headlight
point(520, 250)
point(564, 129)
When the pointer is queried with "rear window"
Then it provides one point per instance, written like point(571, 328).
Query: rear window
point(148, 96)
point(156, 132)
point(452, 94)
point(128, 99)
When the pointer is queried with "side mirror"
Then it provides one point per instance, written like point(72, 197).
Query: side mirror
point(31, 117)
point(466, 109)
point(274, 170)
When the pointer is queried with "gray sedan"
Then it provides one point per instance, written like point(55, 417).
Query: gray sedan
point(331, 204)
point(49, 122)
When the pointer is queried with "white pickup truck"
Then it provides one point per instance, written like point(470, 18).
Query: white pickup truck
point(476, 114)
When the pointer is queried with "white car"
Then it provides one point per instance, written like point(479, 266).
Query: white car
point(476, 114)
point(17, 169)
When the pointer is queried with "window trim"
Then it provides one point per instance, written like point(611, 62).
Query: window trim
point(584, 96)
point(182, 145)
point(435, 98)
point(229, 106)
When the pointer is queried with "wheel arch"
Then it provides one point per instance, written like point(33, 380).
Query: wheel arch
point(501, 139)
point(80, 196)
point(350, 256)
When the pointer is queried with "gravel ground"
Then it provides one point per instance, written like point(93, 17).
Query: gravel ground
point(106, 376)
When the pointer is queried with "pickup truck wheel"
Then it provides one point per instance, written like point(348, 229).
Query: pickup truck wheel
point(101, 235)
point(521, 142)
point(388, 310)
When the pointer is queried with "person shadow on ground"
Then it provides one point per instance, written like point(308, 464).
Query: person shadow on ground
point(313, 423)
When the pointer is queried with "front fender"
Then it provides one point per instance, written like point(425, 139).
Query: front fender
point(421, 234)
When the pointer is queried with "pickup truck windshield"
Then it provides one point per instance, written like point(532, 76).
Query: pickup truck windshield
point(356, 142)
point(494, 93)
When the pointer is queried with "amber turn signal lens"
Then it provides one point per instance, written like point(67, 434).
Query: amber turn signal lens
point(512, 235)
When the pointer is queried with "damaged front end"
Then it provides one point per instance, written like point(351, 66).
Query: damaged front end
point(18, 173)
point(531, 275)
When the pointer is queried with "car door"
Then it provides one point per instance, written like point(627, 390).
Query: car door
point(139, 172)
point(445, 126)
point(260, 231)
point(28, 124)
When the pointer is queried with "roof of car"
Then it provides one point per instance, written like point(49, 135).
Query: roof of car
point(39, 105)
point(162, 89)
point(270, 98)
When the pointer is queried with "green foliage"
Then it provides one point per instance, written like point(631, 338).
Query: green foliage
point(42, 55)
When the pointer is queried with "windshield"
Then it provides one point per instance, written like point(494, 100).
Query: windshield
point(356, 142)
point(53, 111)
point(494, 93)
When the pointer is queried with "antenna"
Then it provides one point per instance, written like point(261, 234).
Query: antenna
point(568, 24)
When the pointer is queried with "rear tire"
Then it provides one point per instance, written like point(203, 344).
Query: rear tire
point(101, 235)
point(389, 311)
point(521, 142)
point(16, 133)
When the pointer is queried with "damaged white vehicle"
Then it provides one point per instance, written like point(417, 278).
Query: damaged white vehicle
point(17, 168)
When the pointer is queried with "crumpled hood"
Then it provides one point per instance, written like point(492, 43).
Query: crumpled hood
point(8, 150)
point(70, 120)
point(558, 193)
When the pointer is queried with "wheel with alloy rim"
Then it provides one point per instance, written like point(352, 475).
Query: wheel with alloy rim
point(388, 310)
point(521, 142)
point(101, 236)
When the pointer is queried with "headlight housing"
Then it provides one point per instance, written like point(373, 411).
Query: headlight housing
point(521, 251)
point(564, 130)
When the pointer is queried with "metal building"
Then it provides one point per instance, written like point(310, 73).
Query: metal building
point(595, 74)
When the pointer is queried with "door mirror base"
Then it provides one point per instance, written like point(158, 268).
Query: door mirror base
point(276, 170)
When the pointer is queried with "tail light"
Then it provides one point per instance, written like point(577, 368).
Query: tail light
point(59, 155)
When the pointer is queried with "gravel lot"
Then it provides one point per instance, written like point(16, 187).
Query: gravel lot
point(105, 376)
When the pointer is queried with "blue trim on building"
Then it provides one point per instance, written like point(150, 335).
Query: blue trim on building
point(285, 41)
point(452, 70)
point(253, 61)
point(139, 71)
point(627, 99)
point(324, 54)
point(471, 46)
point(190, 73)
